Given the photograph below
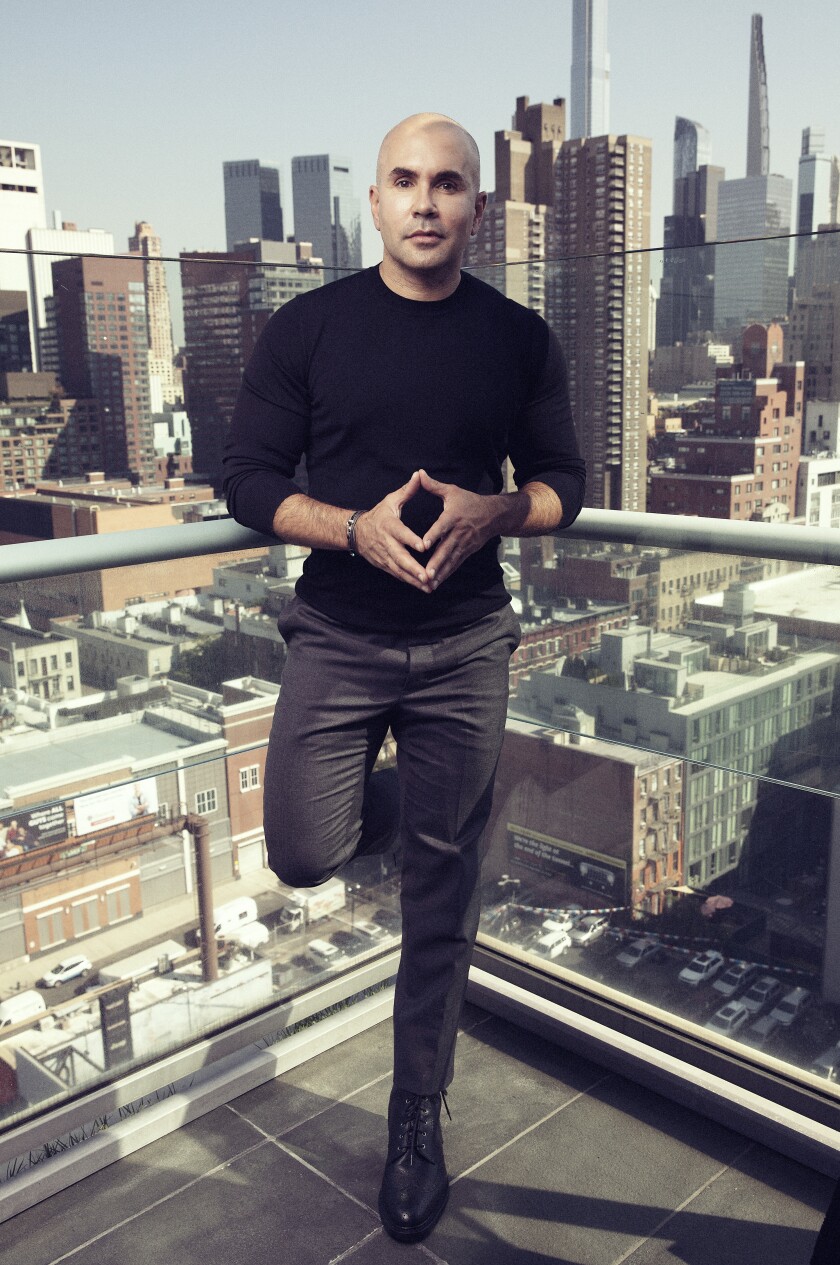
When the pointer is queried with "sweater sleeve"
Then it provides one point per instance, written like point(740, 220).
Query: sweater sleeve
point(270, 426)
point(543, 443)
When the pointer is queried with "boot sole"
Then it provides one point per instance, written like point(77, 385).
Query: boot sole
point(417, 1232)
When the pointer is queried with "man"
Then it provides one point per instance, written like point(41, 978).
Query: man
point(406, 386)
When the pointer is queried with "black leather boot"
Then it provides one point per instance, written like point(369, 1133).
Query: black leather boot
point(415, 1184)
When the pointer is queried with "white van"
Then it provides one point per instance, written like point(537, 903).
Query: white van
point(23, 1006)
point(230, 917)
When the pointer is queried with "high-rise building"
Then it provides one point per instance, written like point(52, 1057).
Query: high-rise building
point(47, 245)
point(815, 338)
point(228, 300)
point(103, 345)
point(600, 307)
point(758, 118)
point(686, 296)
point(590, 114)
point(751, 276)
point(43, 434)
point(326, 210)
point(164, 379)
point(15, 352)
point(514, 239)
point(692, 147)
point(818, 191)
point(252, 202)
point(21, 208)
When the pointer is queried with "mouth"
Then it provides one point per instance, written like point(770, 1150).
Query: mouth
point(425, 235)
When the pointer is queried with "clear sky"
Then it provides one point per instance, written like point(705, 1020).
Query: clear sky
point(136, 105)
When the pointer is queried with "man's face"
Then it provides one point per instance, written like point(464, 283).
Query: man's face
point(426, 203)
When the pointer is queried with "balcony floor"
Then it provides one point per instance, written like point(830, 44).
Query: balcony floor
point(553, 1160)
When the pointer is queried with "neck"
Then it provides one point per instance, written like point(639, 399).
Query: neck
point(423, 287)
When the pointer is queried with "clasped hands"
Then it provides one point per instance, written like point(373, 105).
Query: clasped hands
point(466, 522)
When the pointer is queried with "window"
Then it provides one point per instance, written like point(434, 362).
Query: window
point(206, 801)
point(249, 778)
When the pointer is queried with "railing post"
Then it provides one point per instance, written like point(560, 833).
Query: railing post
point(199, 828)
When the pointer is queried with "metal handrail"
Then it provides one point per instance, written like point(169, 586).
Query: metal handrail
point(39, 559)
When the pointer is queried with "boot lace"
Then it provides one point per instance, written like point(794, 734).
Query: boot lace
point(416, 1121)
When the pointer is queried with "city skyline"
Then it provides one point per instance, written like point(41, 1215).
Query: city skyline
point(191, 124)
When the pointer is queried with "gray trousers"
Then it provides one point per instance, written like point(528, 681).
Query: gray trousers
point(445, 702)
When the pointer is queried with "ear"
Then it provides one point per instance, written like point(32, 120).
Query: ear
point(373, 195)
point(478, 213)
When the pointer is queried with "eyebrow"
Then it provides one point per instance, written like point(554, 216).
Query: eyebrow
point(401, 173)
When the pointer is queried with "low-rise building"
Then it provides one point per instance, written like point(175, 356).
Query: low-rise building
point(583, 821)
point(44, 665)
point(725, 697)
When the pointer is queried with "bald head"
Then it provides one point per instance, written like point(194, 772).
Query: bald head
point(426, 125)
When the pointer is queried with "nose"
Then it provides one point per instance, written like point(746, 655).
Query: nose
point(424, 200)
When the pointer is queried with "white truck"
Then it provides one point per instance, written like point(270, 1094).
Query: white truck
point(310, 904)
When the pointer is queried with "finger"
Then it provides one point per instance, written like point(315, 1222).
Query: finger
point(394, 529)
point(433, 485)
point(407, 491)
point(399, 563)
point(446, 558)
point(437, 532)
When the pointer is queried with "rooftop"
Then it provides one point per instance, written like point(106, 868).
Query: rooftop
point(553, 1158)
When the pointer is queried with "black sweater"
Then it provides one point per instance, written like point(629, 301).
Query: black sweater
point(370, 387)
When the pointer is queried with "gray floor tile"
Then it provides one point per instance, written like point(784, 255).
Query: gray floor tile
point(304, 1091)
point(586, 1184)
point(764, 1209)
point(100, 1201)
point(261, 1209)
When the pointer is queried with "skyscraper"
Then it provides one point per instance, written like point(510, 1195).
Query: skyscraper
point(686, 296)
point(758, 119)
point(103, 345)
point(21, 207)
point(326, 209)
point(590, 114)
point(252, 202)
point(600, 308)
point(513, 240)
point(751, 277)
point(817, 194)
point(164, 379)
point(692, 147)
point(47, 246)
point(226, 308)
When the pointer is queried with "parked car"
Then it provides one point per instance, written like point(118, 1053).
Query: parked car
point(642, 950)
point(66, 969)
point(792, 1006)
point(325, 952)
point(736, 977)
point(702, 967)
point(591, 927)
point(371, 931)
point(560, 920)
point(827, 1064)
point(551, 945)
point(391, 921)
point(763, 993)
point(728, 1019)
point(760, 1032)
point(348, 942)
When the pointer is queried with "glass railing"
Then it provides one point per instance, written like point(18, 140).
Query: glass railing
point(665, 800)
point(662, 827)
